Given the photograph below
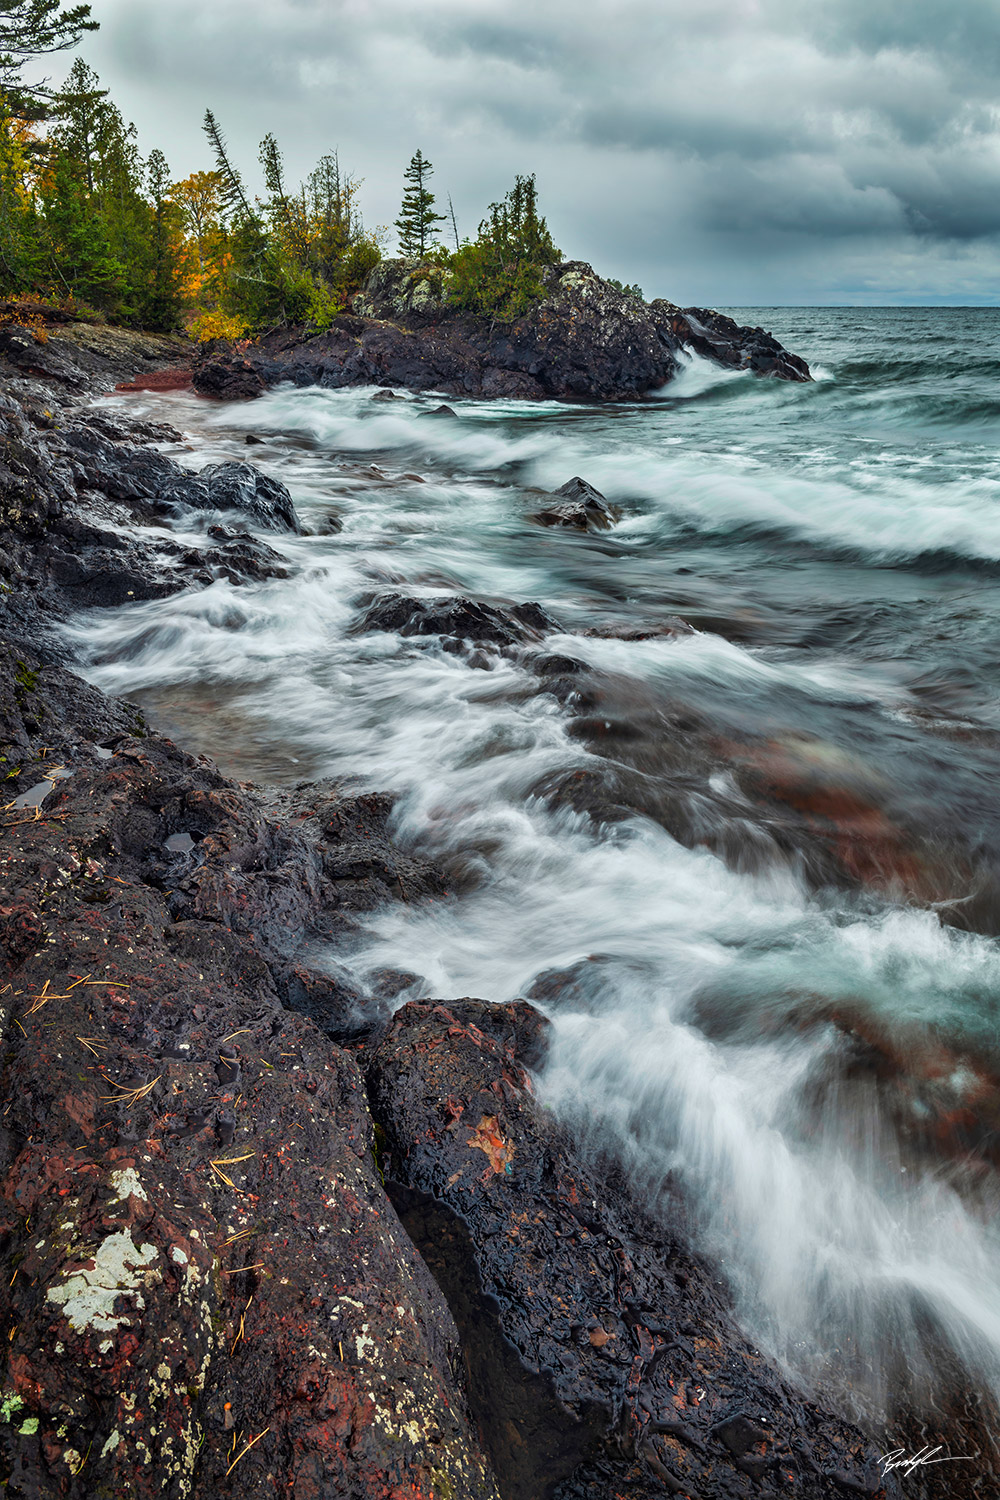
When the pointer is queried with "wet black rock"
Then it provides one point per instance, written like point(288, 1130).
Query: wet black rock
point(716, 337)
point(239, 557)
point(457, 619)
point(584, 340)
point(581, 508)
point(238, 486)
point(333, 999)
point(225, 376)
point(601, 1355)
point(554, 665)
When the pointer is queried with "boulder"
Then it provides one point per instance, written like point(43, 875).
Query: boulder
point(227, 378)
point(458, 620)
point(239, 486)
point(726, 343)
point(581, 508)
point(601, 1356)
point(238, 557)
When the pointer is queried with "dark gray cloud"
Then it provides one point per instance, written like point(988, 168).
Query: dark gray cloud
point(724, 151)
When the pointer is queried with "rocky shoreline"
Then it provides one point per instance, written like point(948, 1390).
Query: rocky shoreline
point(586, 340)
point(260, 1236)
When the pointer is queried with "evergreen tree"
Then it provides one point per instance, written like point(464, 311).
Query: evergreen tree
point(29, 28)
point(234, 201)
point(417, 219)
point(333, 221)
point(500, 273)
point(161, 304)
point(18, 217)
point(96, 217)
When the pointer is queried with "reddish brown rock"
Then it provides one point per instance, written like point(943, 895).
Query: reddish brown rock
point(587, 1328)
point(160, 380)
point(205, 1290)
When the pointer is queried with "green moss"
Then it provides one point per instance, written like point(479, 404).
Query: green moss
point(25, 678)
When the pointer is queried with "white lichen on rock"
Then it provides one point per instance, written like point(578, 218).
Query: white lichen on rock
point(89, 1294)
point(127, 1185)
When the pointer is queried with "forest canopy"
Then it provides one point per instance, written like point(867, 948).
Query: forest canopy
point(88, 222)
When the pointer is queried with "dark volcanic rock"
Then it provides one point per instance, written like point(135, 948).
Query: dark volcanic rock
point(36, 480)
point(201, 1268)
point(239, 557)
point(151, 481)
point(724, 342)
point(64, 362)
point(601, 1357)
point(583, 508)
point(20, 348)
point(237, 486)
point(226, 378)
point(66, 490)
point(584, 340)
point(457, 619)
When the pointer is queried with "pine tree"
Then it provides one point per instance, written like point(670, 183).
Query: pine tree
point(234, 201)
point(96, 217)
point(18, 215)
point(160, 307)
point(501, 271)
point(29, 28)
point(417, 219)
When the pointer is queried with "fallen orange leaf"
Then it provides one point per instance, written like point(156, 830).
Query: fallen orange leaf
point(486, 1137)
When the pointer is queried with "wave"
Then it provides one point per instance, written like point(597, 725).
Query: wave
point(721, 1029)
point(670, 482)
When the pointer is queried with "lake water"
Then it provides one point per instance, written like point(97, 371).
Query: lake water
point(747, 859)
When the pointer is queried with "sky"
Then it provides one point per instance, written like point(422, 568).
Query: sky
point(717, 152)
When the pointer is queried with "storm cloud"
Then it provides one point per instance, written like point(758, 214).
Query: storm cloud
point(722, 151)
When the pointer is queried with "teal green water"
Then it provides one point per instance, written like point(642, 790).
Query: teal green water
point(776, 913)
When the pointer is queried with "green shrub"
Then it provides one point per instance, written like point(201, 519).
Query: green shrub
point(500, 273)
